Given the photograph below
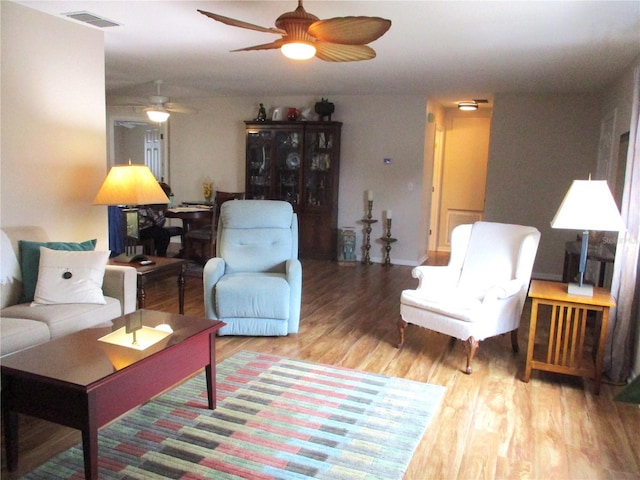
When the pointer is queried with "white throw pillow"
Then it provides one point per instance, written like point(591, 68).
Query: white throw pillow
point(70, 277)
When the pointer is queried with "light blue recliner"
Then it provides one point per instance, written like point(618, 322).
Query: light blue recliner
point(254, 284)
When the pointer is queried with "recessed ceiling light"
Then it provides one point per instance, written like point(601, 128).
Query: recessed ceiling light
point(468, 105)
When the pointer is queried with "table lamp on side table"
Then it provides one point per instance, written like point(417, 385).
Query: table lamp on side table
point(588, 205)
point(131, 186)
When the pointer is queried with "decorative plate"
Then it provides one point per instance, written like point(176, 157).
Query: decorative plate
point(293, 160)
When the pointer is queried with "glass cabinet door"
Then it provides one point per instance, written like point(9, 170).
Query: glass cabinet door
point(321, 147)
point(288, 164)
point(298, 162)
point(259, 150)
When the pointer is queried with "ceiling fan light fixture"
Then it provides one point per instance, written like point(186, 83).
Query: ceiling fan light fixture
point(158, 115)
point(468, 106)
point(298, 50)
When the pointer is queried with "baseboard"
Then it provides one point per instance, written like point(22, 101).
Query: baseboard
point(552, 277)
point(394, 261)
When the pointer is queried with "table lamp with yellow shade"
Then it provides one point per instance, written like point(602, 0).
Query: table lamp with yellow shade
point(130, 186)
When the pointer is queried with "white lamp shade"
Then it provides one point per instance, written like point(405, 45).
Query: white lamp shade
point(588, 205)
point(130, 185)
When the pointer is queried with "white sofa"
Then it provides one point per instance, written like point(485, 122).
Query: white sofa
point(23, 325)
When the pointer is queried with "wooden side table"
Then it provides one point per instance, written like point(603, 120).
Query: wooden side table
point(161, 268)
point(565, 352)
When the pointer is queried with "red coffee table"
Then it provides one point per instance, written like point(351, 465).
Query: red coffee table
point(84, 383)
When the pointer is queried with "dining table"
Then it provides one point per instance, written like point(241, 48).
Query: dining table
point(191, 215)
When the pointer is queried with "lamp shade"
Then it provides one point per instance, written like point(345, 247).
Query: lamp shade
point(157, 115)
point(130, 185)
point(298, 50)
point(588, 205)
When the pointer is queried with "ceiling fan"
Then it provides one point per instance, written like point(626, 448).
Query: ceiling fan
point(158, 108)
point(340, 39)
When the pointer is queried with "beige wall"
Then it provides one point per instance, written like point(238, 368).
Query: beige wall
point(130, 143)
point(211, 144)
point(53, 124)
point(378, 127)
point(539, 145)
point(533, 137)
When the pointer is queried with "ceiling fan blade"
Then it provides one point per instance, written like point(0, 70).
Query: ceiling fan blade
point(179, 108)
point(133, 103)
point(264, 46)
point(350, 30)
point(151, 108)
point(335, 52)
point(239, 23)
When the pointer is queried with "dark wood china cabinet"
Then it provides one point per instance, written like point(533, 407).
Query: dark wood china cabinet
point(298, 162)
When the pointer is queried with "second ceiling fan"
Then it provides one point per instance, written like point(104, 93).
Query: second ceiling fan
point(303, 35)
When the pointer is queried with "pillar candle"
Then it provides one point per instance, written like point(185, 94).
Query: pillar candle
point(389, 214)
point(369, 195)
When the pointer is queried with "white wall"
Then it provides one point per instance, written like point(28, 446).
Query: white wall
point(53, 124)
point(211, 144)
point(539, 145)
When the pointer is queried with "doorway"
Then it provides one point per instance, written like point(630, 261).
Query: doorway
point(461, 154)
point(135, 139)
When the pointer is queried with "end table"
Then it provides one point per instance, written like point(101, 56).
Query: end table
point(567, 330)
point(161, 267)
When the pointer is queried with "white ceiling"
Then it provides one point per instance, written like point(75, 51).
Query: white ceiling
point(447, 50)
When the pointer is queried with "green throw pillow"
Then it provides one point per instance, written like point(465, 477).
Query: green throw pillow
point(30, 261)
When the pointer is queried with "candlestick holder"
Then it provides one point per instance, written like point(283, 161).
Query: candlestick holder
point(388, 240)
point(366, 259)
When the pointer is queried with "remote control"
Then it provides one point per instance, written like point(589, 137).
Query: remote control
point(147, 262)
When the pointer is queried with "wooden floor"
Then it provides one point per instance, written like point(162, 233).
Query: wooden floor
point(490, 425)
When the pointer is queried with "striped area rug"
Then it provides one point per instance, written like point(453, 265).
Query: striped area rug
point(277, 418)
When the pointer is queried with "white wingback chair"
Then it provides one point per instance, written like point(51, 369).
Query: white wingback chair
point(481, 292)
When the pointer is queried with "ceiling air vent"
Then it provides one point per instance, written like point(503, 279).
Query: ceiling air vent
point(91, 19)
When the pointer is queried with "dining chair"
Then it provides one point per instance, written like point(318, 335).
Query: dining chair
point(200, 243)
point(174, 231)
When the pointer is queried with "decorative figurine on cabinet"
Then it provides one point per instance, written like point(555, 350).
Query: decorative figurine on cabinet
point(292, 114)
point(262, 114)
point(325, 108)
